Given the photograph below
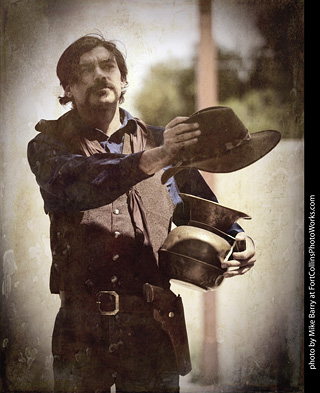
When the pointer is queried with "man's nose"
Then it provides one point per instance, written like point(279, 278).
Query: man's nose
point(98, 73)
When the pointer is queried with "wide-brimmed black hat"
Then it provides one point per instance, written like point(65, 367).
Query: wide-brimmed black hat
point(225, 145)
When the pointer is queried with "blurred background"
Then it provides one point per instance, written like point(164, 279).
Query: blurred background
point(182, 56)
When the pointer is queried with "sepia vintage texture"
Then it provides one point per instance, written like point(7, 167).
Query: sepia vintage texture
point(258, 331)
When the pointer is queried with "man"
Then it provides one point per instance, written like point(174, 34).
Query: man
point(99, 173)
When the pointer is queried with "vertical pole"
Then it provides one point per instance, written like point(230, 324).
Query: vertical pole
point(207, 78)
point(207, 81)
point(207, 95)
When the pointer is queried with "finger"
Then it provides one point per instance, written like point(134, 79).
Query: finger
point(238, 263)
point(186, 136)
point(185, 144)
point(175, 121)
point(249, 250)
point(237, 272)
point(241, 236)
point(243, 255)
point(184, 131)
point(230, 263)
point(248, 253)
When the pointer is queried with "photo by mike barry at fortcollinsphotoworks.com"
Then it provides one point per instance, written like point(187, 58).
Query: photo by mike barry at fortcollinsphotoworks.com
point(311, 286)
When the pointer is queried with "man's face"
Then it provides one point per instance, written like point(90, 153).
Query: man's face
point(99, 81)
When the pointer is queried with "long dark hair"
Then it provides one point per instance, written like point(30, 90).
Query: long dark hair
point(67, 67)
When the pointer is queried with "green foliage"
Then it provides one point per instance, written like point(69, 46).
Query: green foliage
point(168, 91)
point(230, 67)
point(265, 110)
point(270, 97)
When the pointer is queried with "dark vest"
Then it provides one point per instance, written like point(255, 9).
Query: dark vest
point(101, 248)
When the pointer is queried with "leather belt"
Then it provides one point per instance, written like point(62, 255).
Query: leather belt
point(106, 302)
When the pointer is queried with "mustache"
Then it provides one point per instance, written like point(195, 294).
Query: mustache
point(98, 85)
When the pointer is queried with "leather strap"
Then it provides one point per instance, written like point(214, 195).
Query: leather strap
point(105, 302)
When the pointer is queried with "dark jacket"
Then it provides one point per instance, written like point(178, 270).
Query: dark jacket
point(107, 218)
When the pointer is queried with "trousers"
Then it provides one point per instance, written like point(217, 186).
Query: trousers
point(92, 352)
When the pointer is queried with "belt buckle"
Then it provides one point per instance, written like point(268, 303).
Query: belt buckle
point(116, 299)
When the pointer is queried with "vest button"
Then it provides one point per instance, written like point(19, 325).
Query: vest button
point(116, 211)
point(114, 279)
point(115, 257)
point(116, 234)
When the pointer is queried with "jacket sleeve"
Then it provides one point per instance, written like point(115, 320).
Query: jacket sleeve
point(70, 182)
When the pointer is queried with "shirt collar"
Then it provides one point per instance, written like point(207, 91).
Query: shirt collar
point(128, 120)
point(128, 125)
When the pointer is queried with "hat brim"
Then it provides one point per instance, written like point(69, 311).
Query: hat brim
point(260, 144)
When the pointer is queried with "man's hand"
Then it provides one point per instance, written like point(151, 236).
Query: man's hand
point(242, 261)
point(177, 136)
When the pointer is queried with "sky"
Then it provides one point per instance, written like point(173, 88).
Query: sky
point(157, 31)
point(148, 31)
point(173, 28)
point(177, 23)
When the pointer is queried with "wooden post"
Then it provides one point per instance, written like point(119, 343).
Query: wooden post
point(207, 81)
point(207, 75)
point(207, 95)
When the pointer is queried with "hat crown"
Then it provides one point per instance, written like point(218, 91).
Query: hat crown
point(225, 145)
point(219, 127)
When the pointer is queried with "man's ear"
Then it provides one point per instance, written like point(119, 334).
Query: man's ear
point(123, 85)
point(68, 91)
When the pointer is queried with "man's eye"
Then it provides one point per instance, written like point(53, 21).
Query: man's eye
point(107, 66)
point(85, 70)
